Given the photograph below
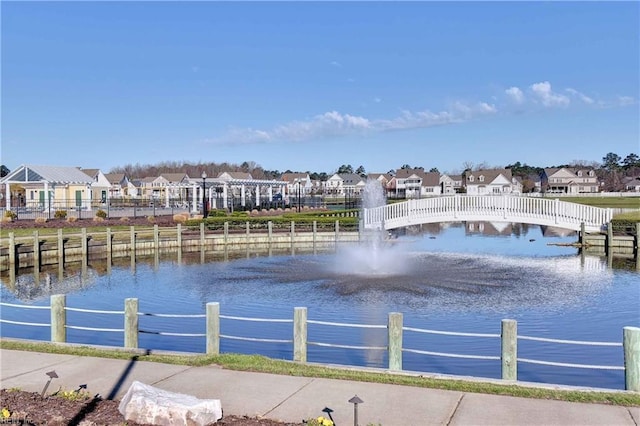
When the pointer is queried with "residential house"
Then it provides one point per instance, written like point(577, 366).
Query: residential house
point(297, 183)
point(430, 185)
point(489, 182)
point(569, 180)
point(175, 186)
point(48, 187)
point(407, 183)
point(334, 185)
point(100, 186)
point(450, 184)
point(119, 185)
point(352, 184)
point(631, 183)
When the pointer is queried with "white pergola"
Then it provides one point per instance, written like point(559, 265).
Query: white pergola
point(211, 185)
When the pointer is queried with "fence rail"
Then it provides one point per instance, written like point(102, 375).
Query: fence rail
point(395, 329)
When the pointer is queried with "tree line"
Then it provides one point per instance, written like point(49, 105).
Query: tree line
point(611, 171)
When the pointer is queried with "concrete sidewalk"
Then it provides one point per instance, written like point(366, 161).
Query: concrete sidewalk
point(292, 399)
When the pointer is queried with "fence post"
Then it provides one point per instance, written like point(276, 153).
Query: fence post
point(395, 341)
point(58, 318)
point(156, 237)
point(202, 234)
point(60, 247)
point(300, 334)
point(12, 248)
point(509, 349)
point(213, 328)
point(131, 323)
point(631, 345)
point(36, 251)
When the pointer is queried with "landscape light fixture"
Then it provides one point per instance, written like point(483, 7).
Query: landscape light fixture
point(328, 411)
point(355, 401)
point(52, 375)
point(204, 195)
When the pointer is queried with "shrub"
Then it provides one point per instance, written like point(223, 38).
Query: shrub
point(101, 214)
point(60, 214)
point(11, 215)
point(124, 219)
point(217, 213)
point(71, 219)
point(151, 219)
point(41, 220)
point(180, 217)
point(98, 219)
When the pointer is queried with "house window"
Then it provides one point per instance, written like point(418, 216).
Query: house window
point(580, 173)
point(471, 178)
point(591, 173)
point(481, 178)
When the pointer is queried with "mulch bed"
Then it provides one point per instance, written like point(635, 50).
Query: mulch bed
point(29, 408)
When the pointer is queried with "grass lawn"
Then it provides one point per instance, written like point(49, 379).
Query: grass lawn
point(263, 364)
point(615, 202)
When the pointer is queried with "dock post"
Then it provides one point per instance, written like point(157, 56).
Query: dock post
point(270, 231)
point(202, 235)
point(226, 234)
point(610, 244)
point(60, 247)
point(36, 251)
point(315, 231)
point(156, 238)
point(12, 249)
point(293, 232)
point(132, 231)
point(109, 245)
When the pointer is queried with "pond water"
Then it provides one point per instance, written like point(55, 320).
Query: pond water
point(463, 277)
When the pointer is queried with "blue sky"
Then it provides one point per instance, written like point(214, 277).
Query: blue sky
point(310, 86)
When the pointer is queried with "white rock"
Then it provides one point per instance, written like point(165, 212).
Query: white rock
point(145, 404)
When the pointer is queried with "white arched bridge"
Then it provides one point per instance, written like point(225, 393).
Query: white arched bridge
point(457, 208)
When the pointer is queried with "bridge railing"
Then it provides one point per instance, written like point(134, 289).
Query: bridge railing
point(492, 207)
point(506, 353)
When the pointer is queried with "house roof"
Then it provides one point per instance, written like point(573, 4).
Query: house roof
point(292, 177)
point(350, 178)
point(174, 177)
point(92, 173)
point(52, 174)
point(489, 175)
point(238, 175)
point(115, 177)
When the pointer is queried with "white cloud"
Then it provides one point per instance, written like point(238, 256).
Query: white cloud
point(542, 91)
point(584, 98)
point(515, 94)
point(335, 124)
point(336, 64)
point(625, 100)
